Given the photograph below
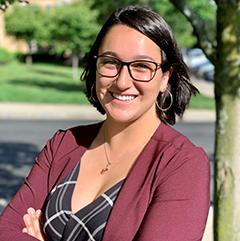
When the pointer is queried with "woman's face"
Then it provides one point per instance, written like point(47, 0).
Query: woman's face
point(123, 98)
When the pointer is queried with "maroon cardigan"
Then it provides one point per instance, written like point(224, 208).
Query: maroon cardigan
point(166, 196)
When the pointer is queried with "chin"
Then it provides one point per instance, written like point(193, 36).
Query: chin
point(121, 117)
point(129, 115)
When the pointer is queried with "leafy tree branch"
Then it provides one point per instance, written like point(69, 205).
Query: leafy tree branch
point(200, 29)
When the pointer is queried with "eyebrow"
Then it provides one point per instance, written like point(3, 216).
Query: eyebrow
point(137, 57)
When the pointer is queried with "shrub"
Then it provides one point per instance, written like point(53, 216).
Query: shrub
point(6, 56)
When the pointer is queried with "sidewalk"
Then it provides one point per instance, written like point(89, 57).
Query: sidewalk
point(26, 111)
point(30, 111)
point(205, 87)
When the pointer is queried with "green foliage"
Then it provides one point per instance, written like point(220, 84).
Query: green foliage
point(105, 8)
point(27, 22)
point(181, 27)
point(68, 27)
point(206, 9)
point(4, 4)
point(73, 27)
point(6, 56)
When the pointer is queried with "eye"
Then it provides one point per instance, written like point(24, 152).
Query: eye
point(108, 61)
point(142, 66)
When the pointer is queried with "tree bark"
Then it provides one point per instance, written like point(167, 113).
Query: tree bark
point(227, 144)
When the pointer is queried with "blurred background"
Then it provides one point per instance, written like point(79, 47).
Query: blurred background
point(43, 44)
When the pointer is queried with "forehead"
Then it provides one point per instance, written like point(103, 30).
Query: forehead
point(128, 43)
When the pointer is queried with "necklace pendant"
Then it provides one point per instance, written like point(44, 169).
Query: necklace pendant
point(104, 170)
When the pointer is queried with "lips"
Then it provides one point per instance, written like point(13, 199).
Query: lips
point(123, 97)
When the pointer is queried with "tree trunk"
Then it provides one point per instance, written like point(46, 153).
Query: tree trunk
point(75, 65)
point(29, 59)
point(227, 148)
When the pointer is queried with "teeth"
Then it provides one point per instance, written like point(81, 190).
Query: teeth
point(123, 97)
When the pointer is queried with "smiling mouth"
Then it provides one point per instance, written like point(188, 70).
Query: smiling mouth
point(123, 97)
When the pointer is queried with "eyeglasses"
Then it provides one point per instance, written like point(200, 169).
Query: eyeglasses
point(139, 70)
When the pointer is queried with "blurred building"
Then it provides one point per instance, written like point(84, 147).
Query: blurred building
point(11, 43)
point(48, 3)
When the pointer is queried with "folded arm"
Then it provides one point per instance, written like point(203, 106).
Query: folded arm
point(31, 194)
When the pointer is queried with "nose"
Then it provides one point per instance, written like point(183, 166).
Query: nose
point(124, 80)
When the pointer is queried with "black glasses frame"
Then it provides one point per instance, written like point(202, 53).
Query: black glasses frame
point(122, 63)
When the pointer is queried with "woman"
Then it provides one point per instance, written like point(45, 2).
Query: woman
point(132, 176)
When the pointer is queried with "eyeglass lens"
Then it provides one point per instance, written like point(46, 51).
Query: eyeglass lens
point(139, 70)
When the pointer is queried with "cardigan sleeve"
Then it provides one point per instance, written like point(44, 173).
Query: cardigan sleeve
point(180, 204)
point(31, 194)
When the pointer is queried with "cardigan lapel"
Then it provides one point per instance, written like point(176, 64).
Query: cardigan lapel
point(79, 139)
point(135, 195)
point(62, 167)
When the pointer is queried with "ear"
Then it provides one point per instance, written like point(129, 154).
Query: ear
point(164, 80)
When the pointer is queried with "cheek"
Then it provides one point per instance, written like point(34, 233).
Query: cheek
point(102, 85)
point(99, 84)
point(151, 88)
point(160, 83)
point(102, 82)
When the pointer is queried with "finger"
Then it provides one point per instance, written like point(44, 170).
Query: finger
point(35, 219)
point(24, 230)
point(39, 214)
point(28, 223)
point(31, 211)
point(32, 223)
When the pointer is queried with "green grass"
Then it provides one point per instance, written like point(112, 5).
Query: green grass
point(45, 83)
point(202, 102)
point(39, 83)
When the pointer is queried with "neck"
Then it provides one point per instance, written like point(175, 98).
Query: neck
point(125, 134)
point(130, 138)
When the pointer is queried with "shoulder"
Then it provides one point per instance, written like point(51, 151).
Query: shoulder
point(168, 135)
point(178, 162)
point(177, 150)
point(72, 138)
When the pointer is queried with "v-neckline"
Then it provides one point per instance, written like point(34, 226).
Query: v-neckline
point(76, 172)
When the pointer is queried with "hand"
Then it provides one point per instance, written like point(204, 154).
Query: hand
point(32, 220)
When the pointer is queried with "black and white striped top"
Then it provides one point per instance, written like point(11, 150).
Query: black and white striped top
point(85, 225)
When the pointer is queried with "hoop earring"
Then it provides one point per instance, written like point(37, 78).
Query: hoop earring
point(168, 107)
point(92, 96)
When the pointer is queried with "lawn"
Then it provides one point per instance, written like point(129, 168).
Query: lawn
point(44, 83)
point(202, 102)
point(39, 83)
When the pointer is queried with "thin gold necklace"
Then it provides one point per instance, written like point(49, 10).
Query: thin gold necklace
point(106, 168)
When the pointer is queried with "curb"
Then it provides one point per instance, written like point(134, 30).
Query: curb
point(26, 111)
